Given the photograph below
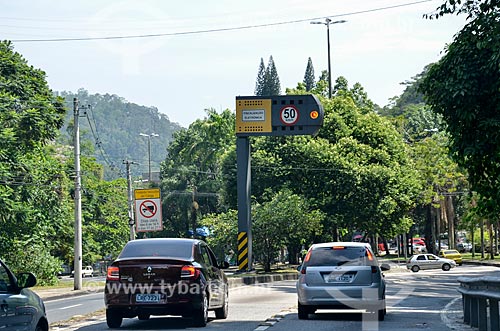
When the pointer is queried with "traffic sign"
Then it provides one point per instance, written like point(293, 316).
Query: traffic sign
point(289, 115)
point(283, 115)
point(148, 210)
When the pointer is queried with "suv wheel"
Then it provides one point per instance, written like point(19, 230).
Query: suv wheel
point(113, 318)
point(303, 312)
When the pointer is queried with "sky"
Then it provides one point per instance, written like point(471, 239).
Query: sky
point(182, 71)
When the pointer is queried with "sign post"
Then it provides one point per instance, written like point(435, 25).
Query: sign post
point(266, 116)
point(148, 210)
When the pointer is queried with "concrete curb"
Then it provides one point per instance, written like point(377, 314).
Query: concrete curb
point(485, 263)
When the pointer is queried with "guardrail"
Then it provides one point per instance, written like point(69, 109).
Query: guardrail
point(477, 295)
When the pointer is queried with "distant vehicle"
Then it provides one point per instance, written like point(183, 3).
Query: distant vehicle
point(20, 308)
point(464, 247)
point(341, 275)
point(418, 241)
point(451, 254)
point(87, 271)
point(429, 261)
point(166, 276)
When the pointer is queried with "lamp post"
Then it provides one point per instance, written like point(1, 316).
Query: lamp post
point(149, 150)
point(328, 22)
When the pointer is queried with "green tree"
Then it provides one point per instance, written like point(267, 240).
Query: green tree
point(32, 180)
point(463, 87)
point(261, 78)
point(309, 79)
point(268, 81)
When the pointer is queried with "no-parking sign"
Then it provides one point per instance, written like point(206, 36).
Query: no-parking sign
point(148, 210)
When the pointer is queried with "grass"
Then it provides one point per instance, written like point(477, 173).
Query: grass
point(64, 283)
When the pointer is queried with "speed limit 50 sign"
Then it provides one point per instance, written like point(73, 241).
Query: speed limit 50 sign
point(289, 115)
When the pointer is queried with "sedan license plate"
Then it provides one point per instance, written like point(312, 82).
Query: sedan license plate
point(147, 298)
point(340, 278)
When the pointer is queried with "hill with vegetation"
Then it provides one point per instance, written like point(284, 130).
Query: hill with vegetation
point(110, 128)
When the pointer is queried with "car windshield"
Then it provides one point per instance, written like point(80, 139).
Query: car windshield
point(337, 256)
point(175, 249)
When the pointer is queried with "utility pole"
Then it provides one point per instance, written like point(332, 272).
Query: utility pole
point(131, 221)
point(78, 201)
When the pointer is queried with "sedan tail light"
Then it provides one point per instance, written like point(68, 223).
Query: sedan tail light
point(113, 273)
point(189, 272)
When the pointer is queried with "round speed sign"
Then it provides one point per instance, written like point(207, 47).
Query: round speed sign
point(289, 115)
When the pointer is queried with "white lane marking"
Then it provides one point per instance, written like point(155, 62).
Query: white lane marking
point(73, 306)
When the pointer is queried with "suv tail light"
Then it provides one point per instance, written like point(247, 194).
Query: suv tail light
point(189, 272)
point(113, 273)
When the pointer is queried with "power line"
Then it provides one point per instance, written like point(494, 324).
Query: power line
point(244, 27)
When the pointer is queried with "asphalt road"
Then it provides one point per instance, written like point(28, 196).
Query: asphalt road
point(427, 300)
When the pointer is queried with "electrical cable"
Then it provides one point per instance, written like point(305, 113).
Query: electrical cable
point(195, 32)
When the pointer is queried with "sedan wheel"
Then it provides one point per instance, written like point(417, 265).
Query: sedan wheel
point(113, 318)
point(415, 268)
point(221, 313)
point(200, 316)
point(446, 267)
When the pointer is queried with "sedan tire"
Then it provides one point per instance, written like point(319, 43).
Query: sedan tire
point(221, 313)
point(113, 318)
point(415, 268)
point(446, 267)
point(200, 315)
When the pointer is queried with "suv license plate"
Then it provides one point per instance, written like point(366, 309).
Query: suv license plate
point(336, 278)
point(147, 298)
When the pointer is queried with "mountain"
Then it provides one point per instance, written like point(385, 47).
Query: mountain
point(110, 130)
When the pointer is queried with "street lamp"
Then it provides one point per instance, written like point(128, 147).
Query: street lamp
point(328, 22)
point(149, 150)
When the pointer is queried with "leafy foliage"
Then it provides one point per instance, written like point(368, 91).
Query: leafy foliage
point(463, 87)
point(113, 125)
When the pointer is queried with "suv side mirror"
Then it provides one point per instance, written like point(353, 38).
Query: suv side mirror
point(26, 279)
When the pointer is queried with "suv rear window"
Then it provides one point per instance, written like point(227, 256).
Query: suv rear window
point(337, 256)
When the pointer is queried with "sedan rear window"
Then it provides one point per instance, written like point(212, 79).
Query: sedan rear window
point(335, 256)
point(175, 249)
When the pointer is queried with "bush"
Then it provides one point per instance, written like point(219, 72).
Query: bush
point(35, 258)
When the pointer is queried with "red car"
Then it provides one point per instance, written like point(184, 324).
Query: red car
point(165, 277)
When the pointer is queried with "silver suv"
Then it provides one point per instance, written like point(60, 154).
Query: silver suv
point(341, 275)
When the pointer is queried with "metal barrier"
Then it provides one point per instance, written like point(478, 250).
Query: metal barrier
point(477, 295)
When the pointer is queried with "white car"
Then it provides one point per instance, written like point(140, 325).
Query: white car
point(87, 271)
point(429, 261)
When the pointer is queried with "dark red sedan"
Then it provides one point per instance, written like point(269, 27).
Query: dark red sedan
point(165, 276)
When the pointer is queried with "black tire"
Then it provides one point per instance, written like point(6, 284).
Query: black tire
point(221, 313)
point(113, 319)
point(446, 267)
point(303, 312)
point(42, 326)
point(200, 315)
point(143, 317)
point(381, 314)
point(415, 268)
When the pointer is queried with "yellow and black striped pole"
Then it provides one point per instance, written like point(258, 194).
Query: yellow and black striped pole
point(242, 251)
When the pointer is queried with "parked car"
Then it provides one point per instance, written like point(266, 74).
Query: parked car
point(20, 308)
point(87, 271)
point(341, 275)
point(165, 276)
point(464, 247)
point(451, 254)
point(418, 241)
point(429, 261)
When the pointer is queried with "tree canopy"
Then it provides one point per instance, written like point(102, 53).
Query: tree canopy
point(463, 87)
